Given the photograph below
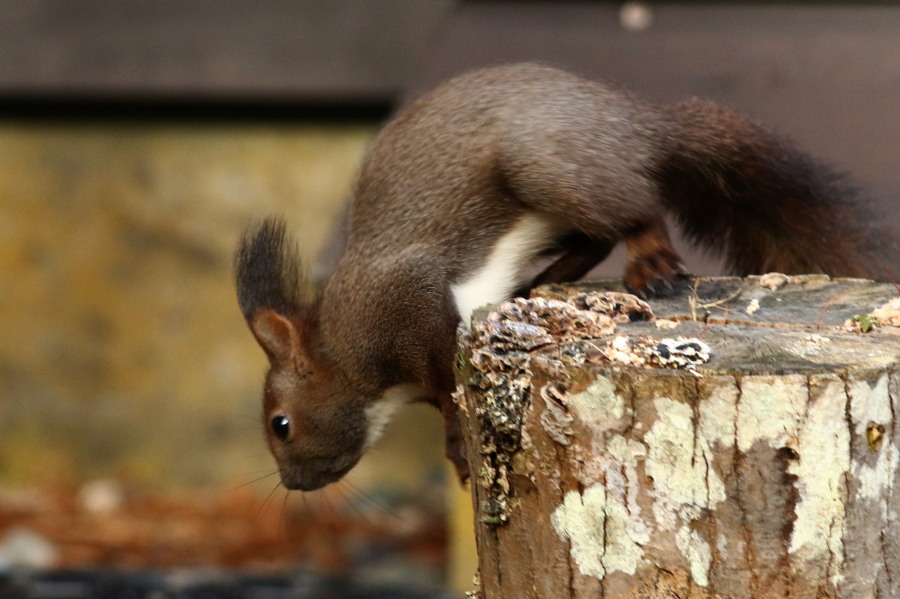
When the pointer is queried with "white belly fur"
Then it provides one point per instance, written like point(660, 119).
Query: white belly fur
point(380, 412)
point(497, 278)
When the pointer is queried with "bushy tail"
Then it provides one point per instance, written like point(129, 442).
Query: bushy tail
point(742, 191)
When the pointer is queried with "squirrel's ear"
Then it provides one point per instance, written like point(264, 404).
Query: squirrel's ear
point(277, 335)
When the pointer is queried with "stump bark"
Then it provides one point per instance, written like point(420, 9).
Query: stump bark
point(767, 470)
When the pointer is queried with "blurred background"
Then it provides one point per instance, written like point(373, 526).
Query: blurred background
point(139, 138)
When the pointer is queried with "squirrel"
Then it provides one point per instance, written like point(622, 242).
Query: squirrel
point(467, 185)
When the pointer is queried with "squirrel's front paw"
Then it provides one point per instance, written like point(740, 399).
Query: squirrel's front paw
point(455, 449)
point(457, 455)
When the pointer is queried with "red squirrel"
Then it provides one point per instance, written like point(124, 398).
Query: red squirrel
point(467, 185)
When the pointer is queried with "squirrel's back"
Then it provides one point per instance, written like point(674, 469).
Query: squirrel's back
point(462, 163)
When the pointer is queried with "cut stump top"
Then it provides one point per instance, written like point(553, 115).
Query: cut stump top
point(799, 327)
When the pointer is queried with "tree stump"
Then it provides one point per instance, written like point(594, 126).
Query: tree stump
point(753, 454)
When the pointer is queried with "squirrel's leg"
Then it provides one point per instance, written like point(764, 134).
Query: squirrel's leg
point(580, 255)
point(651, 257)
point(455, 443)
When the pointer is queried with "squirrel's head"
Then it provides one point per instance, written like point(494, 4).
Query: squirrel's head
point(316, 424)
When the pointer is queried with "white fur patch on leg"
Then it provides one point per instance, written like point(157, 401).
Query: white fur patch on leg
point(380, 412)
point(497, 278)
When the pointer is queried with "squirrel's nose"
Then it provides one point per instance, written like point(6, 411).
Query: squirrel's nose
point(312, 476)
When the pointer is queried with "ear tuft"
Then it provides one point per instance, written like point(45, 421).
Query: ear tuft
point(267, 269)
point(278, 336)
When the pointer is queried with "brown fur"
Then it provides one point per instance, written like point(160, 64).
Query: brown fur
point(448, 177)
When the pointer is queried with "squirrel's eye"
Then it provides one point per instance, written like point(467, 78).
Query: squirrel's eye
point(281, 427)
